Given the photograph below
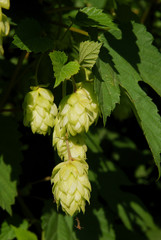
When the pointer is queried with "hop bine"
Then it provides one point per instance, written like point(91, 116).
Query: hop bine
point(39, 110)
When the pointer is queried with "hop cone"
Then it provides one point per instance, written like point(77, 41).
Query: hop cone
point(79, 110)
point(76, 145)
point(71, 186)
point(39, 110)
point(4, 29)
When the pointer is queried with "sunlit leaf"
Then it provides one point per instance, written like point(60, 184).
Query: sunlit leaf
point(88, 53)
point(62, 71)
point(8, 190)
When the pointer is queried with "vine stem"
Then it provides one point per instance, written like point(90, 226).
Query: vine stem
point(148, 10)
point(74, 84)
point(13, 79)
point(73, 29)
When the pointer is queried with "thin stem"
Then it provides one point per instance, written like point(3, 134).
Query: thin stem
point(73, 29)
point(67, 30)
point(74, 84)
point(77, 30)
point(147, 11)
point(10, 110)
point(13, 79)
point(46, 179)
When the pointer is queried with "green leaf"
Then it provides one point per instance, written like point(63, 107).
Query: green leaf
point(88, 53)
point(146, 110)
point(144, 218)
point(23, 234)
point(7, 231)
point(123, 110)
point(154, 234)
point(56, 226)
point(8, 190)
point(61, 71)
point(107, 230)
point(106, 87)
point(29, 37)
point(124, 216)
point(93, 17)
point(150, 58)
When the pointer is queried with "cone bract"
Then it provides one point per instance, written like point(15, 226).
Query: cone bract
point(5, 4)
point(39, 110)
point(76, 145)
point(4, 29)
point(71, 187)
point(79, 110)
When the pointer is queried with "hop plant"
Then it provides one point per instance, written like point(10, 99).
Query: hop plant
point(75, 144)
point(39, 110)
point(79, 110)
point(71, 187)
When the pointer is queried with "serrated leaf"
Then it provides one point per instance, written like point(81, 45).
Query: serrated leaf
point(56, 226)
point(62, 71)
point(28, 37)
point(7, 231)
point(146, 110)
point(93, 17)
point(106, 87)
point(8, 190)
point(23, 234)
point(150, 58)
point(88, 53)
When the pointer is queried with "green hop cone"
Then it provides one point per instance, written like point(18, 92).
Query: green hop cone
point(71, 187)
point(39, 110)
point(4, 29)
point(79, 110)
point(76, 145)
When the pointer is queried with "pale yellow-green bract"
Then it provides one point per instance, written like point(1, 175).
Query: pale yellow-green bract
point(78, 111)
point(76, 145)
point(5, 4)
point(71, 187)
point(4, 29)
point(39, 110)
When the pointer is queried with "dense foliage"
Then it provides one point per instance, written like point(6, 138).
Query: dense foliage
point(80, 84)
